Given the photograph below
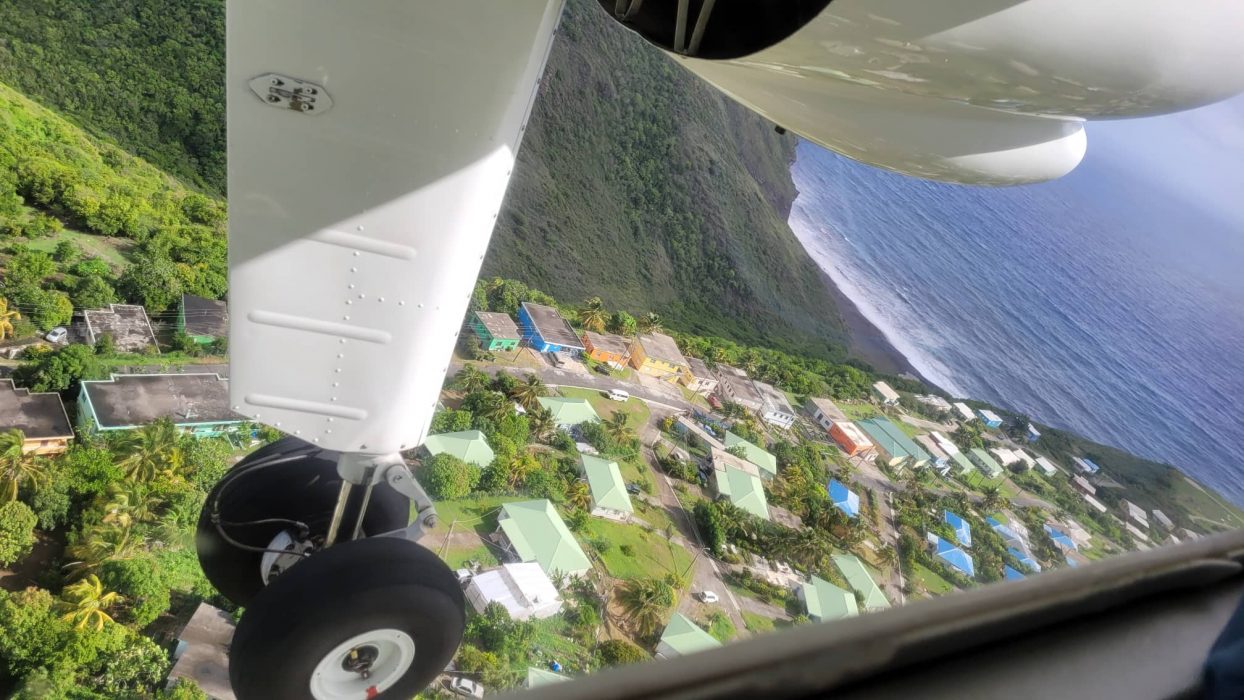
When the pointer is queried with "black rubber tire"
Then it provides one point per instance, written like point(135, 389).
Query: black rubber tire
point(289, 479)
point(348, 589)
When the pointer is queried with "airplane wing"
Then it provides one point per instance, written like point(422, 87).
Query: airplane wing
point(370, 145)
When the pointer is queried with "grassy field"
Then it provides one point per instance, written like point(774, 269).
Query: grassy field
point(858, 411)
point(653, 514)
point(653, 555)
point(478, 514)
point(637, 411)
point(930, 581)
point(1209, 506)
point(720, 626)
point(455, 557)
point(110, 250)
point(551, 641)
point(757, 623)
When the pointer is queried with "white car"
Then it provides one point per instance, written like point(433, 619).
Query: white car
point(57, 335)
point(708, 597)
point(465, 687)
point(619, 395)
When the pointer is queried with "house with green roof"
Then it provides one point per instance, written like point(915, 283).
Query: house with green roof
point(470, 446)
point(609, 497)
point(682, 637)
point(533, 531)
point(495, 331)
point(754, 454)
point(743, 490)
point(893, 445)
point(824, 601)
point(537, 677)
point(856, 574)
point(569, 412)
point(960, 464)
point(986, 462)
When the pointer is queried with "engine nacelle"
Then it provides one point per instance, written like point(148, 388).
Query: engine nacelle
point(972, 91)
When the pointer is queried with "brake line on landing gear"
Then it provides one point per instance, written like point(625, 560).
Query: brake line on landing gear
point(304, 530)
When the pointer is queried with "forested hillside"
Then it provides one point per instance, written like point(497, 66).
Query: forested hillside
point(147, 73)
point(636, 181)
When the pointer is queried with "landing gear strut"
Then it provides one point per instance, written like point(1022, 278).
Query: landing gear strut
point(320, 548)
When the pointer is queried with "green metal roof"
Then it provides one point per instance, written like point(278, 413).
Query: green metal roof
point(538, 534)
point(964, 464)
point(569, 411)
point(743, 490)
point(826, 601)
point(986, 462)
point(857, 575)
point(537, 677)
point(685, 637)
point(468, 446)
point(754, 454)
point(892, 439)
point(605, 481)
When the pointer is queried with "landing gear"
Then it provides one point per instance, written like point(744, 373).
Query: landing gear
point(281, 498)
point(372, 618)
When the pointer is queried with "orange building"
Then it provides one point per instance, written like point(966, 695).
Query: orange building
point(606, 347)
point(850, 438)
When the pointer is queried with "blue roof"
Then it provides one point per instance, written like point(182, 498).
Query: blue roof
point(1025, 559)
point(963, 531)
point(1060, 538)
point(955, 557)
point(844, 498)
point(1004, 531)
point(1011, 574)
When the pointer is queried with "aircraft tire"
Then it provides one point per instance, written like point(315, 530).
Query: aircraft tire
point(391, 602)
point(290, 480)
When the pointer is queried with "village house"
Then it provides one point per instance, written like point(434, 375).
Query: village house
point(40, 416)
point(196, 402)
point(496, 332)
point(544, 330)
point(699, 377)
point(657, 355)
point(203, 320)
point(606, 347)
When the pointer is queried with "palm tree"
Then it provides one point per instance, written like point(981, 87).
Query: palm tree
point(645, 602)
point(529, 391)
point(111, 542)
point(593, 315)
point(7, 317)
point(469, 379)
point(153, 450)
point(86, 602)
point(807, 547)
point(993, 498)
point(17, 469)
point(650, 323)
point(579, 495)
point(886, 555)
point(616, 427)
point(541, 422)
point(130, 502)
point(493, 406)
point(523, 464)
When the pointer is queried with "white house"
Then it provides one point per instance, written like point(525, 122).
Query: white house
point(885, 393)
point(775, 409)
point(965, 411)
point(1047, 467)
point(1163, 520)
point(522, 588)
point(1134, 512)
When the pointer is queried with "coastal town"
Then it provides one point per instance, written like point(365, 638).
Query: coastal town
point(606, 496)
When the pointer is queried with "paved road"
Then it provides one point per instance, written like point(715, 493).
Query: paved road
point(591, 380)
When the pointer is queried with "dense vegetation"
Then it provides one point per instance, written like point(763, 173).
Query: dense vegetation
point(639, 183)
point(54, 177)
point(145, 73)
point(125, 510)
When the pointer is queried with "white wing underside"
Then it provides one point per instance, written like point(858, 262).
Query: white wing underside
point(356, 233)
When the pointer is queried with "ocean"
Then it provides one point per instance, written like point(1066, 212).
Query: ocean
point(1095, 303)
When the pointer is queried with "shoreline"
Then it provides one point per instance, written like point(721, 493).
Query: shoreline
point(865, 341)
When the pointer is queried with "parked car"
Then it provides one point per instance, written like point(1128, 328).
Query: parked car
point(619, 395)
point(464, 576)
point(465, 687)
point(708, 597)
point(633, 489)
point(58, 335)
point(602, 369)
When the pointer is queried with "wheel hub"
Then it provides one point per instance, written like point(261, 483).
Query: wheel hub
point(363, 666)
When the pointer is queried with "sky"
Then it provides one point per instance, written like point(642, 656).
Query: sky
point(1196, 156)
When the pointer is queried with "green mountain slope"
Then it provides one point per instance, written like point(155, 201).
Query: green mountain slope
point(638, 182)
point(146, 73)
